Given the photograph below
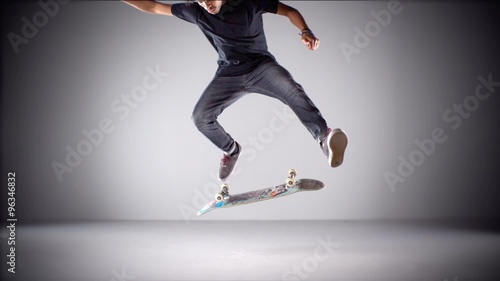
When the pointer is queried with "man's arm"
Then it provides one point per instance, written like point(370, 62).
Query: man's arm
point(296, 18)
point(151, 6)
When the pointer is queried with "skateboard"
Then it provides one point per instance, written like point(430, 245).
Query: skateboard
point(224, 199)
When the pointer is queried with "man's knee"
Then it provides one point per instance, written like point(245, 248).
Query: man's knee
point(197, 119)
point(200, 120)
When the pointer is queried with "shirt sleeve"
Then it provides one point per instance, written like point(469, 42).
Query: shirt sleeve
point(185, 11)
point(265, 6)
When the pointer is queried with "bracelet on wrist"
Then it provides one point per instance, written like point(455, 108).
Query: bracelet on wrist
point(306, 30)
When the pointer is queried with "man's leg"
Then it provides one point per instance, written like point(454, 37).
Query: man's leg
point(218, 95)
point(273, 80)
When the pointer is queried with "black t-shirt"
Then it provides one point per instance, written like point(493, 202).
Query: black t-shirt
point(236, 32)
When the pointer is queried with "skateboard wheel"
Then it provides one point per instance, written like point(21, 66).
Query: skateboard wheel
point(224, 188)
point(290, 182)
point(292, 173)
point(219, 197)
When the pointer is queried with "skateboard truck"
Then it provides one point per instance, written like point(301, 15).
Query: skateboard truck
point(224, 192)
point(290, 181)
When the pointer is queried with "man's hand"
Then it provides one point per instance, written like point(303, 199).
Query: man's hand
point(311, 42)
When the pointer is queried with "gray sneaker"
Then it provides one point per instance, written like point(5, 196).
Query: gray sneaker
point(334, 145)
point(227, 163)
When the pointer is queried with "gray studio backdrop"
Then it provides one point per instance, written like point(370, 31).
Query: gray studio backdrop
point(97, 99)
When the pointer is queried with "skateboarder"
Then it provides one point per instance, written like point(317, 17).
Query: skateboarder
point(235, 30)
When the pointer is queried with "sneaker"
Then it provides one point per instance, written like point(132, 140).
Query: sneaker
point(334, 145)
point(228, 162)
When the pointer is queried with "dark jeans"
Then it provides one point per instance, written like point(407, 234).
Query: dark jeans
point(269, 79)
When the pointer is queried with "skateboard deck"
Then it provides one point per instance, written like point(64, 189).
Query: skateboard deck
point(224, 199)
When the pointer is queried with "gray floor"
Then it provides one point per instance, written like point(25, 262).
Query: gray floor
point(255, 250)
